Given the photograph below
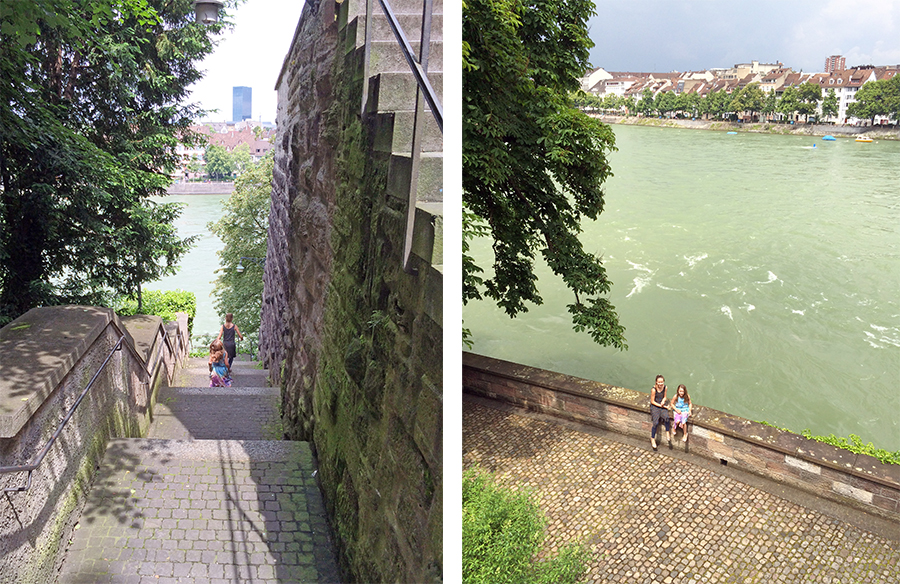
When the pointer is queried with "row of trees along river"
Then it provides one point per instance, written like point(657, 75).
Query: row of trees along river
point(875, 98)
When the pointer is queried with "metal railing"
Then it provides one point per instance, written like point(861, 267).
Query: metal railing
point(148, 371)
point(419, 68)
point(30, 468)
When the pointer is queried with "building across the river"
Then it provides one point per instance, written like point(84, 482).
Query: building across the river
point(771, 77)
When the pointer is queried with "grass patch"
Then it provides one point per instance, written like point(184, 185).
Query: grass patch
point(503, 534)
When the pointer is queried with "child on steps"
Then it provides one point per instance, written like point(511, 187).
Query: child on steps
point(218, 367)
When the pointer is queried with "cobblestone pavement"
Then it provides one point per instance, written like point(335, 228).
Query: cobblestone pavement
point(649, 517)
point(205, 500)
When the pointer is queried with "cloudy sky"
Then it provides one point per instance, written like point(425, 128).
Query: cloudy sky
point(681, 35)
point(632, 35)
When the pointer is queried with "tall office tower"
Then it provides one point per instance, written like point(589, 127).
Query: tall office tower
point(241, 109)
point(834, 63)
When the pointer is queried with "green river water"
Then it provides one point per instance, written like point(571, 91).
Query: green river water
point(198, 267)
point(762, 271)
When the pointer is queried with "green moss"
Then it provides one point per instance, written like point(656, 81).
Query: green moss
point(854, 444)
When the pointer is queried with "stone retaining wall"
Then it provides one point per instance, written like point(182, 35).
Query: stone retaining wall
point(823, 470)
point(353, 339)
point(201, 188)
point(845, 130)
point(49, 356)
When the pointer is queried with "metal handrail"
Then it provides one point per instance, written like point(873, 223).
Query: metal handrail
point(419, 70)
point(148, 370)
point(30, 468)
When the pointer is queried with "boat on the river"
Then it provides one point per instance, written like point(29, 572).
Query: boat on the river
point(863, 139)
point(829, 138)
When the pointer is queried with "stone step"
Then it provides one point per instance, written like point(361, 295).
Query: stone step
point(399, 7)
point(227, 413)
point(394, 133)
point(396, 92)
point(196, 374)
point(203, 510)
point(431, 177)
point(411, 24)
point(387, 57)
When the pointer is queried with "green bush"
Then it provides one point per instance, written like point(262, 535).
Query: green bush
point(163, 304)
point(502, 534)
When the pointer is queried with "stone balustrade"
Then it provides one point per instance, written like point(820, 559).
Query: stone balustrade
point(853, 479)
point(48, 356)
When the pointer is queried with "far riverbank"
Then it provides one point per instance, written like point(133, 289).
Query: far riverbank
point(875, 132)
point(201, 188)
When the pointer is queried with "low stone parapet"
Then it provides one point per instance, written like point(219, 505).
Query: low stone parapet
point(81, 364)
point(853, 479)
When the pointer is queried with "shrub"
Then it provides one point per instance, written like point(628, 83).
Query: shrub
point(502, 534)
point(163, 304)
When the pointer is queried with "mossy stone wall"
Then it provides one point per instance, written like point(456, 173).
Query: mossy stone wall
point(345, 328)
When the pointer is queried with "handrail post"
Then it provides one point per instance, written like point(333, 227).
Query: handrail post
point(416, 155)
point(367, 51)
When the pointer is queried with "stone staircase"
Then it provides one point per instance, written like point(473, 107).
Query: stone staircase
point(391, 103)
point(212, 495)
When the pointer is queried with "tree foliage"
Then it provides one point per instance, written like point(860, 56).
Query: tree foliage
point(92, 106)
point(533, 165)
point(219, 162)
point(877, 98)
point(808, 96)
point(749, 99)
point(830, 104)
point(243, 229)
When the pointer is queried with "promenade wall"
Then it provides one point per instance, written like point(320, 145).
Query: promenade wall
point(49, 357)
point(840, 131)
point(201, 188)
point(856, 480)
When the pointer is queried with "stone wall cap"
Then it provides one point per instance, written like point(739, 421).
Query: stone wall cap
point(37, 350)
point(144, 330)
point(782, 441)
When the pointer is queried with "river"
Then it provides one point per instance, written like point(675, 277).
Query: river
point(762, 271)
point(197, 271)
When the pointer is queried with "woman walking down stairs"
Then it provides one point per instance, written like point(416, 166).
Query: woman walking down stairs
point(213, 494)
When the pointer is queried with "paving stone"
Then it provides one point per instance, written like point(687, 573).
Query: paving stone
point(652, 518)
point(193, 502)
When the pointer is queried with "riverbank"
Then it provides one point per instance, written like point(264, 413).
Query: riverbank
point(874, 132)
point(201, 188)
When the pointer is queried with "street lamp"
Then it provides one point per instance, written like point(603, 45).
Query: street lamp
point(257, 261)
point(207, 11)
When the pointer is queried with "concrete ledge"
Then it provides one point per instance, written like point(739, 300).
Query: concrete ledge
point(39, 349)
point(50, 355)
point(820, 469)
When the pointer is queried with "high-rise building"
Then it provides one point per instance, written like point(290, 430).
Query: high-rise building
point(834, 63)
point(242, 99)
